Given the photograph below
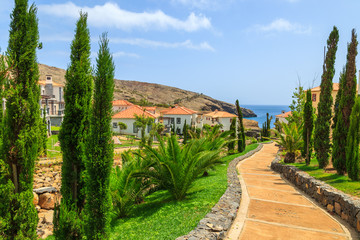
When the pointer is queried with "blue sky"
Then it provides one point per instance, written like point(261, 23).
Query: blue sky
point(251, 50)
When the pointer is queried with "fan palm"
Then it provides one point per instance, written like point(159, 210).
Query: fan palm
point(175, 168)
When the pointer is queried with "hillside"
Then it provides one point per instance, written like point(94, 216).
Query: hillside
point(156, 94)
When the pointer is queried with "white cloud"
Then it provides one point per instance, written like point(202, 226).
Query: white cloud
point(111, 15)
point(283, 25)
point(125, 54)
point(158, 44)
point(204, 4)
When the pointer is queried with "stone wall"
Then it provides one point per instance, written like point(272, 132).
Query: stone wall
point(335, 201)
point(217, 222)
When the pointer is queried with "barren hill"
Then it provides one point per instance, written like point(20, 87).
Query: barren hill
point(155, 94)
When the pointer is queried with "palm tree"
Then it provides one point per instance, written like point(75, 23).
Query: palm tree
point(290, 139)
point(175, 168)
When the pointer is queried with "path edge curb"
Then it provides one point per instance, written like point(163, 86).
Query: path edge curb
point(334, 200)
point(216, 224)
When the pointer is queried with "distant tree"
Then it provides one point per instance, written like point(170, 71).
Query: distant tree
point(297, 105)
point(265, 131)
point(291, 140)
point(308, 128)
point(100, 148)
point(353, 140)
point(346, 103)
point(122, 126)
point(322, 125)
point(20, 146)
point(74, 134)
point(185, 132)
point(231, 144)
point(156, 129)
point(141, 121)
point(241, 130)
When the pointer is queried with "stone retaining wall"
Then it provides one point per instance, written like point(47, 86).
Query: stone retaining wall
point(217, 222)
point(336, 202)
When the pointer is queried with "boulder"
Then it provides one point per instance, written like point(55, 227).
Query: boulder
point(45, 190)
point(36, 199)
point(47, 201)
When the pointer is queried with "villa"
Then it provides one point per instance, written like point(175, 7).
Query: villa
point(176, 117)
point(218, 117)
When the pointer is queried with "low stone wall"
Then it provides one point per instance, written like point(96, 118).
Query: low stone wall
point(336, 202)
point(217, 222)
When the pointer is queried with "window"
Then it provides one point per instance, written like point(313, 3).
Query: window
point(178, 120)
point(149, 128)
point(135, 129)
point(115, 125)
point(314, 97)
point(172, 120)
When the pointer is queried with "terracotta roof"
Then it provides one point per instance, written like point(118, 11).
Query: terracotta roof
point(150, 108)
point(284, 115)
point(42, 82)
point(177, 110)
point(131, 111)
point(220, 114)
point(335, 88)
point(122, 103)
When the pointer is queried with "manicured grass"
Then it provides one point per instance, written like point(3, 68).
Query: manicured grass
point(55, 128)
point(51, 141)
point(343, 183)
point(161, 217)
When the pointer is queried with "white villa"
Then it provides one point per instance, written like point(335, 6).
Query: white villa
point(282, 117)
point(218, 117)
point(121, 105)
point(176, 117)
point(127, 116)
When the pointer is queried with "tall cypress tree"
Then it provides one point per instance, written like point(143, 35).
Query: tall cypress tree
point(322, 125)
point(308, 127)
point(353, 140)
point(231, 144)
point(338, 97)
point(241, 130)
point(74, 133)
point(347, 101)
point(22, 122)
point(100, 147)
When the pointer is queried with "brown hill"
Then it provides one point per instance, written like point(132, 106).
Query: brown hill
point(156, 94)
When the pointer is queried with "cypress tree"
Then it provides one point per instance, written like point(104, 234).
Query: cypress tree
point(308, 127)
point(346, 103)
point(241, 130)
point(44, 135)
point(74, 133)
point(100, 147)
point(185, 132)
point(322, 125)
point(353, 140)
point(231, 144)
point(338, 97)
point(21, 125)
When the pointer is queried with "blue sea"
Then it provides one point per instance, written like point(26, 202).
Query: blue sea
point(261, 110)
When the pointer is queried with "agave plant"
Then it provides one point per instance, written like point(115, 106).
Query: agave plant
point(175, 168)
point(126, 189)
point(290, 139)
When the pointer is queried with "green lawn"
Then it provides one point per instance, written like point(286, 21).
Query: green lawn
point(161, 217)
point(55, 128)
point(53, 151)
point(342, 183)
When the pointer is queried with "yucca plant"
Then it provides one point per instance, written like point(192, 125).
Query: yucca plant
point(175, 168)
point(126, 189)
point(290, 139)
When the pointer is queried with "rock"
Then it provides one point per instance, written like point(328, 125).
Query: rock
point(49, 216)
point(36, 199)
point(47, 233)
point(37, 207)
point(45, 190)
point(330, 208)
point(338, 208)
point(251, 124)
point(47, 201)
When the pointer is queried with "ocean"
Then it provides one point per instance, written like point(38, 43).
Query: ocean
point(261, 110)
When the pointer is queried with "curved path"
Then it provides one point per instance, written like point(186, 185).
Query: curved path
point(273, 209)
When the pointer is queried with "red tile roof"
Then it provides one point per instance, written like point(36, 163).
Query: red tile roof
point(131, 111)
point(284, 115)
point(122, 103)
point(43, 82)
point(220, 114)
point(150, 108)
point(177, 110)
point(335, 88)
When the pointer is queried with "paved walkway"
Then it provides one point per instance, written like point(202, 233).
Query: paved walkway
point(273, 209)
